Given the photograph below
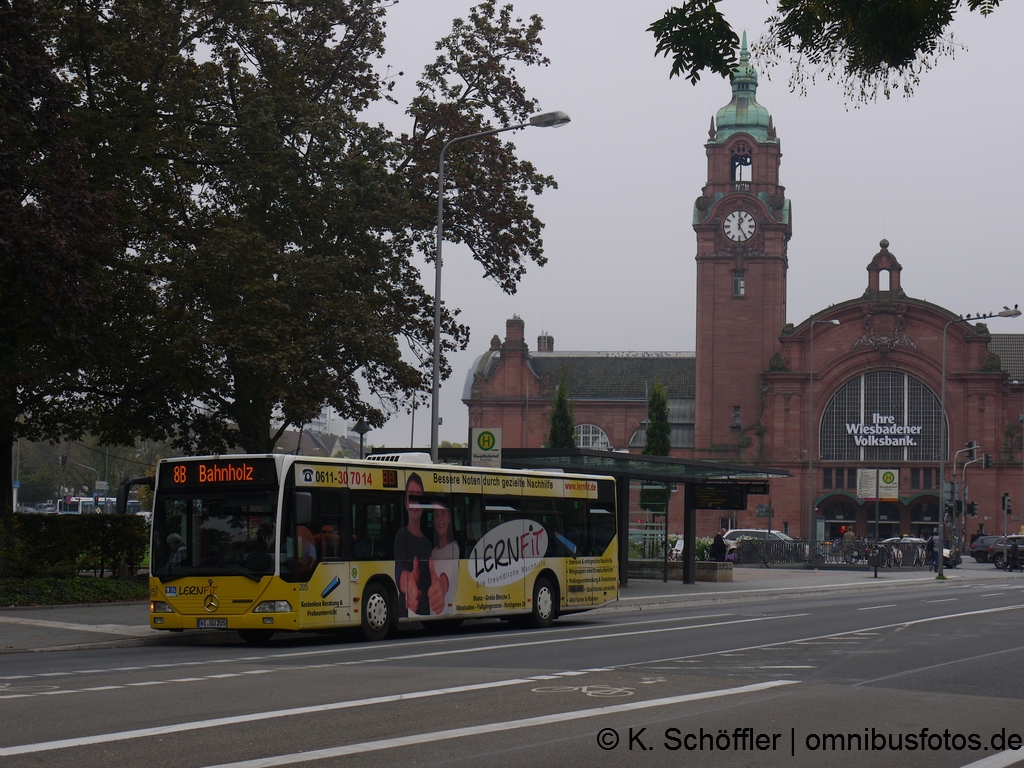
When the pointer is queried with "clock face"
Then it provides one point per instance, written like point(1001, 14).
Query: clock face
point(739, 226)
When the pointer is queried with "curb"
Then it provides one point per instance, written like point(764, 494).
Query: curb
point(184, 638)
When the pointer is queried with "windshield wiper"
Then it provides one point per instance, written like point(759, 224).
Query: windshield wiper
point(205, 570)
point(242, 572)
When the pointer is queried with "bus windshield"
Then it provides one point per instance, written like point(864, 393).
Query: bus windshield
point(208, 533)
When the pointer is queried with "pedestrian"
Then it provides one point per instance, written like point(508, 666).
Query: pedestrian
point(718, 547)
point(849, 539)
point(1014, 561)
point(934, 551)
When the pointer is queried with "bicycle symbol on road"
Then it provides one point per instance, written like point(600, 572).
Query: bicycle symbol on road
point(595, 691)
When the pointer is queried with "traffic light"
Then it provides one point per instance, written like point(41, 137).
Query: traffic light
point(63, 459)
point(1006, 503)
point(972, 508)
point(970, 449)
point(958, 506)
point(988, 461)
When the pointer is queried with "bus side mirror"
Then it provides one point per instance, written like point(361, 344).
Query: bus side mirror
point(125, 487)
point(303, 508)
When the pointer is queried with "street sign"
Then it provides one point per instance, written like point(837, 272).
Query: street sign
point(764, 510)
point(888, 484)
point(102, 486)
point(485, 448)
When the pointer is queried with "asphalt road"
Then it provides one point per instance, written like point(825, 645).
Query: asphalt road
point(934, 669)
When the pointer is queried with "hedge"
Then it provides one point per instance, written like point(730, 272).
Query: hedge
point(66, 545)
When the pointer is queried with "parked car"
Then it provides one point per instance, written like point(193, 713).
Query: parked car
point(733, 536)
point(999, 551)
point(980, 547)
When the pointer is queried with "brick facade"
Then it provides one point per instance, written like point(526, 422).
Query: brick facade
point(746, 391)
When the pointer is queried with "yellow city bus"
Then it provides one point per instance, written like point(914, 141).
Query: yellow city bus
point(275, 543)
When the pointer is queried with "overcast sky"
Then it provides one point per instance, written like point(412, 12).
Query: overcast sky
point(939, 175)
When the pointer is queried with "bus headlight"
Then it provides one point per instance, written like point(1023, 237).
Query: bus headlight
point(159, 606)
point(273, 606)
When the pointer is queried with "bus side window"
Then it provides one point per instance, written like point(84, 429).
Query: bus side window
point(332, 541)
point(376, 518)
point(601, 526)
point(467, 513)
point(498, 510)
point(576, 526)
point(549, 513)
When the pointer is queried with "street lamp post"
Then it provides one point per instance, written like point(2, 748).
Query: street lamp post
point(361, 428)
point(1006, 312)
point(810, 429)
point(546, 120)
point(1021, 420)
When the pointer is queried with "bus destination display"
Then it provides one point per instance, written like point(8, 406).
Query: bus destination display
point(200, 473)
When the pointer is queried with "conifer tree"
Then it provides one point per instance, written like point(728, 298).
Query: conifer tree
point(658, 428)
point(657, 444)
point(562, 419)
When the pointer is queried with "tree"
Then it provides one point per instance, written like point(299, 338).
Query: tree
point(657, 443)
point(562, 419)
point(267, 229)
point(873, 46)
point(53, 246)
point(659, 430)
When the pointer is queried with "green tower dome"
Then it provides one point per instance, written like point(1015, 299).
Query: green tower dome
point(743, 114)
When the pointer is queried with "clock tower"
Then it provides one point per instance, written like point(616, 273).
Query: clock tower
point(742, 220)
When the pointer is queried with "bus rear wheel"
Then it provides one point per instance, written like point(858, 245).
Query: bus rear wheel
point(378, 613)
point(545, 603)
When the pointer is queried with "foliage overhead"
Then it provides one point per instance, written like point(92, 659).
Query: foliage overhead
point(266, 229)
point(54, 246)
point(874, 47)
point(562, 419)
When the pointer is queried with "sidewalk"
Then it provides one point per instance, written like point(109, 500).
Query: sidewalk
point(115, 625)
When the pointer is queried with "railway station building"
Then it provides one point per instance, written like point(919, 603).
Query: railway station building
point(746, 394)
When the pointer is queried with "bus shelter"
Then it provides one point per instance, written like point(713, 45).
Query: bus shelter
point(705, 484)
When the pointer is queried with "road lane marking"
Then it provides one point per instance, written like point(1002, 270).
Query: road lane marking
point(162, 730)
point(876, 607)
point(482, 649)
point(787, 666)
point(810, 640)
point(270, 657)
point(1001, 760)
point(487, 728)
point(936, 666)
point(943, 600)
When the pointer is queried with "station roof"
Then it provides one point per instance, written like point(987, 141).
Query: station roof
point(631, 466)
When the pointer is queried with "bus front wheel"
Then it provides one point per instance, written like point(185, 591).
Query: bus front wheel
point(545, 603)
point(256, 636)
point(378, 613)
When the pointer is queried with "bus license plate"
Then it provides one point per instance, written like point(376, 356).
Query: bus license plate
point(212, 623)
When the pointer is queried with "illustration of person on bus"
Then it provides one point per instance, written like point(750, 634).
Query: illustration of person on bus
point(412, 554)
point(444, 563)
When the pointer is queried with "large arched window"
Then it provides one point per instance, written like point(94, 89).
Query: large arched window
point(591, 436)
point(881, 416)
